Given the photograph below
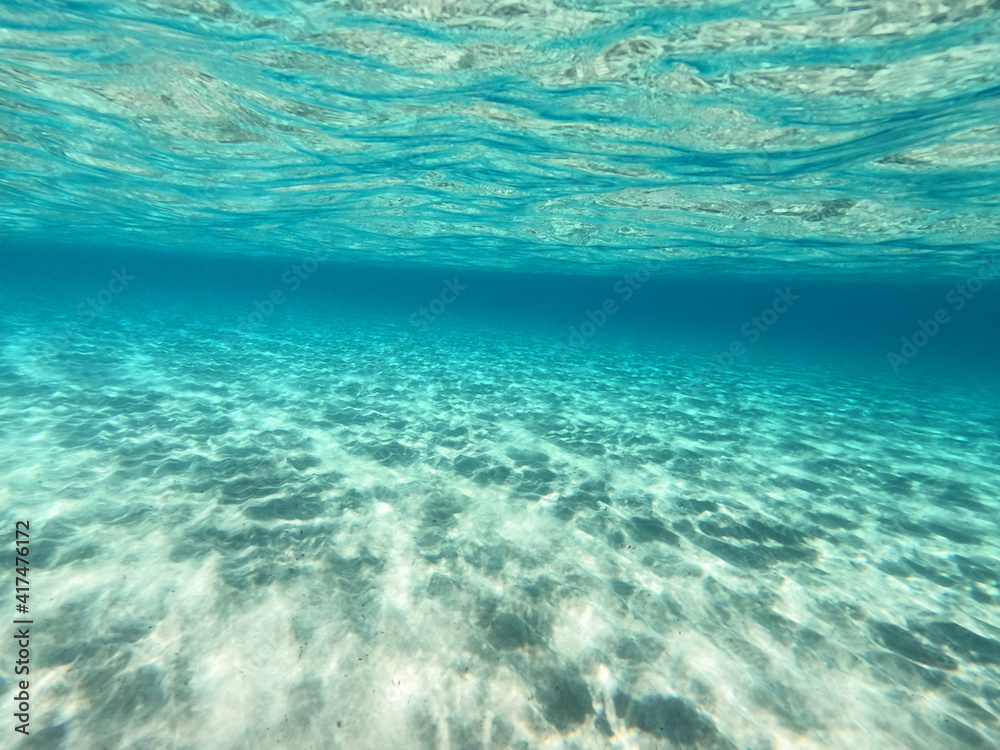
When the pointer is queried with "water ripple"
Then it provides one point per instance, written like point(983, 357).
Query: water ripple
point(533, 135)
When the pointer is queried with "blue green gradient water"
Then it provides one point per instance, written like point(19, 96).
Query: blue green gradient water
point(502, 375)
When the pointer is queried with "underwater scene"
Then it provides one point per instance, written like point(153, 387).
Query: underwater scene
point(485, 374)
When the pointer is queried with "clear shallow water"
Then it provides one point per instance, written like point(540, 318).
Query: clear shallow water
point(502, 375)
point(356, 532)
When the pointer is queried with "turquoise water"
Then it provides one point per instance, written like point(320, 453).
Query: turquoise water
point(502, 374)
